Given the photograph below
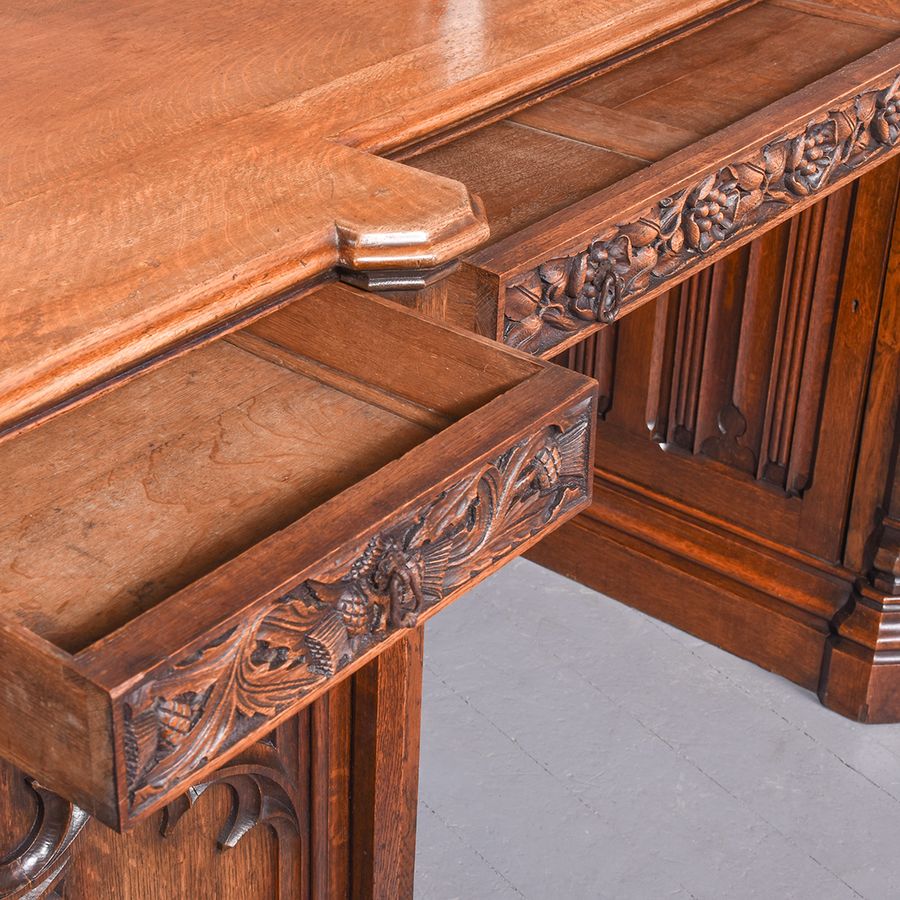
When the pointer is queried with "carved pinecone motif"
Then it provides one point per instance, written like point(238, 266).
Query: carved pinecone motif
point(548, 466)
point(329, 645)
point(561, 462)
point(356, 611)
point(141, 742)
point(294, 643)
point(178, 716)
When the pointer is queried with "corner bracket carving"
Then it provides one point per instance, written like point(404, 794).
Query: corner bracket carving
point(33, 868)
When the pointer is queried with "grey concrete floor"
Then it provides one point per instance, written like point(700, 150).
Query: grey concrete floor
point(574, 748)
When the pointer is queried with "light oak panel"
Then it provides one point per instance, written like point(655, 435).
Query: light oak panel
point(225, 157)
point(714, 127)
point(617, 130)
point(348, 470)
point(523, 173)
point(206, 482)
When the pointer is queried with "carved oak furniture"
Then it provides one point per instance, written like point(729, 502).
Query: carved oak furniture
point(197, 554)
point(235, 489)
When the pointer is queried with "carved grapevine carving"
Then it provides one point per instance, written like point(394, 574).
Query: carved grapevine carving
point(566, 294)
point(183, 716)
point(38, 863)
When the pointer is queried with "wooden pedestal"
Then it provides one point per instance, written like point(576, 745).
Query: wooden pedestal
point(746, 487)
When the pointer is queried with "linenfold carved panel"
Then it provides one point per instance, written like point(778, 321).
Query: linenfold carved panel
point(186, 714)
point(546, 305)
point(731, 365)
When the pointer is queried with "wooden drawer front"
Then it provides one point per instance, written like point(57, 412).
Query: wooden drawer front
point(174, 691)
point(681, 176)
point(183, 715)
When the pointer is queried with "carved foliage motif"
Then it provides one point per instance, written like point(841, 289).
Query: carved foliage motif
point(183, 716)
point(262, 793)
point(39, 862)
point(566, 294)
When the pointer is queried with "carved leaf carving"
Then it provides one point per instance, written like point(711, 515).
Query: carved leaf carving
point(673, 237)
point(262, 793)
point(33, 868)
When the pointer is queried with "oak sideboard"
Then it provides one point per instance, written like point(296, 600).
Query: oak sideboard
point(314, 315)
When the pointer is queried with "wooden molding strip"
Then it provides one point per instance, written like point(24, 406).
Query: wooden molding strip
point(887, 15)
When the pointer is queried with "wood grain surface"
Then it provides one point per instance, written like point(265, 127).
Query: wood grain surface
point(225, 453)
point(594, 134)
point(325, 800)
point(166, 167)
point(194, 555)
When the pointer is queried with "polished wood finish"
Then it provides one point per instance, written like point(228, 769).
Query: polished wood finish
point(226, 158)
point(861, 677)
point(713, 177)
point(281, 820)
point(308, 549)
point(385, 783)
point(236, 491)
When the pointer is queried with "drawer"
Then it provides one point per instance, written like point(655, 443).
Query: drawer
point(192, 556)
point(605, 195)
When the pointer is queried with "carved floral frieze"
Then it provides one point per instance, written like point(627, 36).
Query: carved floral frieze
point(184, 715)
point(675, 236)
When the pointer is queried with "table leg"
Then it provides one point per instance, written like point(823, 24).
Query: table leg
point(385, 772)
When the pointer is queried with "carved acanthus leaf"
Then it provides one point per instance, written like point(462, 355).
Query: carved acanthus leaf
point(33, 868)
point(262, 793)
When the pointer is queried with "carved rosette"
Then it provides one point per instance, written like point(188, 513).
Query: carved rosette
point(38, 864)
point(185, 715)
point(666, 242)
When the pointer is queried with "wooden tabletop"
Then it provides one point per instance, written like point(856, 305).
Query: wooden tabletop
point(165, 165)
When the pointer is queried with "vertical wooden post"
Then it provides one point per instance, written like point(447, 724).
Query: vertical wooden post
point(861, 672)
point(330, 793)
point(385, 772)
